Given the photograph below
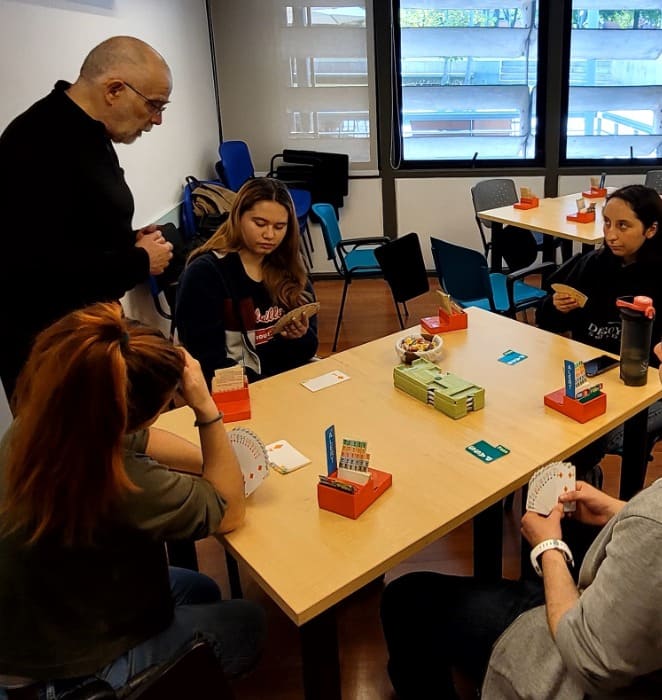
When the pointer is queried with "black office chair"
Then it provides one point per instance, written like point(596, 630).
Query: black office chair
point(519, 246)
point(404, 270)
point(654, 180)
point(194, 673)
point(352, 257)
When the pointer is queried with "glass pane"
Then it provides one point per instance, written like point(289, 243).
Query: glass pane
point(468, 79)
point(298, 74)
point(615, 100)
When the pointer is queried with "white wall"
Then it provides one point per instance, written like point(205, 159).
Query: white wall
point(42, 41)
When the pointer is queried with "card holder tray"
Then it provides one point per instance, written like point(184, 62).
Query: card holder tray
point(527, 203)
point(443, 322)
point(585, 217)
point(575, 409)
point(235, 405)
point(351, 505)
point(595, 193)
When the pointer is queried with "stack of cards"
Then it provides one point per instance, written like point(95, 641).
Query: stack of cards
point(284, 458)
point(353, 455)
point(228, 379)
point(547, 484)
point(252, 456)
point(578, 296)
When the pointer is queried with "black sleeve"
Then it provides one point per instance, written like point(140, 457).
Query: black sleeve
point(200, 316)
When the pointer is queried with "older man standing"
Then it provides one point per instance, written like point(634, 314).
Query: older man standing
point(66, 208)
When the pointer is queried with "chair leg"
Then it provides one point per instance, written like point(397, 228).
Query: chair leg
point(306, 230)
point(397, 308)
point(308, 256)
point(342, 306)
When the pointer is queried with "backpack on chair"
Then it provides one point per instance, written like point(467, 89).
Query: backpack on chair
point(205, 207)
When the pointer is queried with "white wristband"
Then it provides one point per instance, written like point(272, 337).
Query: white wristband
point(550, 544)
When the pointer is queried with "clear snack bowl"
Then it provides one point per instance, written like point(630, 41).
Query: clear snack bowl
point(414, 345)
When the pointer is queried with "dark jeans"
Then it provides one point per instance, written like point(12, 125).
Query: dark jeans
point(235, 629)
point(434, 622)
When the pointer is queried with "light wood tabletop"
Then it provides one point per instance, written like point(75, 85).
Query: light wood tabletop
point(550, 218)
point(308, 559)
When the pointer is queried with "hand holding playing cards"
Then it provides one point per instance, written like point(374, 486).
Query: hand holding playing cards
point(296, 328)
point(536, 528)
point(594, 507)
point(564, 302)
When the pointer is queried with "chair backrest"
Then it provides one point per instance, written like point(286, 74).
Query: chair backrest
point(462, 272)
point(519, 247)
point(330, 231)
point(654, 180)
point(236, 163)
point(488, 194)
point(403, 266)
point(195, 672)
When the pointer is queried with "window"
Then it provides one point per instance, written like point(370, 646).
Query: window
point(615, 86)
point(301, 76)
point(468, 76)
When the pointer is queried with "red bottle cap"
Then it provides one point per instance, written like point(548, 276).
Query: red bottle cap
point(639, 303)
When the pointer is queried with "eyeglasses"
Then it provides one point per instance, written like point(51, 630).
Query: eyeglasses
point(155, 106)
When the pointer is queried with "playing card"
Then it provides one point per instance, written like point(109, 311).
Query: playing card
point(547, 484)
point(252, 456)
point(284, 458)
point(325, 380)
point(511, 357)
point(578, 296)
point(309, 309)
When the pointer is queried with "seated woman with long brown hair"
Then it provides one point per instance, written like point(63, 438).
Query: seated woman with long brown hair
point(85, 589)
point(241, 281)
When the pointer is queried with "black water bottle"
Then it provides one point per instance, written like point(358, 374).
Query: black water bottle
point(637, 314)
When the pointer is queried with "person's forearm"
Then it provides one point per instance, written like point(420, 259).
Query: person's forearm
point(560, 590)
point(221, 468)
point(174, 451)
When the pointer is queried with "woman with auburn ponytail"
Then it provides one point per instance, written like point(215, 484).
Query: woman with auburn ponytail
point(85, 589)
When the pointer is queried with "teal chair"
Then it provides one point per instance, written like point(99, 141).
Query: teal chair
point(352, 257)
point(465, 275)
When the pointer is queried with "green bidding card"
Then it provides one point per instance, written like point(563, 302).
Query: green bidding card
point(488, 453)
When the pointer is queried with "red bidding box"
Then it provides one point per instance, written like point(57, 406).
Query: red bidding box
point(454, 321)
point(235, 405)
point(351, 505)
point(527, 203)
point(575, 409)
point(581, 217)
point(595, 192)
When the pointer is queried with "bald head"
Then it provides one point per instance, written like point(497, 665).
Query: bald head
point(121, 54)
point(125, 84)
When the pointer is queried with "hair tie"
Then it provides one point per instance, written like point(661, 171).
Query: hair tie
point(124, 340)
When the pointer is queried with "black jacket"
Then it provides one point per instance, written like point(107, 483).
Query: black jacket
point(603, 278)
point(67, 234)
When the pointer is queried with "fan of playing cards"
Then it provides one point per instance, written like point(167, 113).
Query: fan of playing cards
point(252, 456)
point(547, 484)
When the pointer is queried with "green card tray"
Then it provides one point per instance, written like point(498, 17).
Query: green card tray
point(447, 392)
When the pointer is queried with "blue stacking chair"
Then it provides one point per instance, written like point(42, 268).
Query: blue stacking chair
point(465, 275)
point(352, 257)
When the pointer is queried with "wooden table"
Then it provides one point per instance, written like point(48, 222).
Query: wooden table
point(309, 559)
point(548, 218)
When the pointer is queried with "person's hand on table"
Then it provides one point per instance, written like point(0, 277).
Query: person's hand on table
point(594, 507)
point(536, 528)
point(296, 328)
point(564, 302)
